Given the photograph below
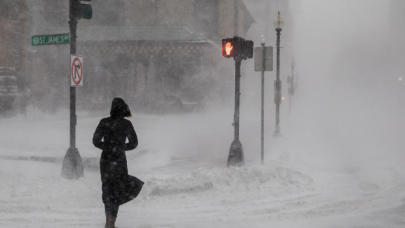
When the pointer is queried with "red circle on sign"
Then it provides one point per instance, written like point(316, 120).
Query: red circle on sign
point(77, 71)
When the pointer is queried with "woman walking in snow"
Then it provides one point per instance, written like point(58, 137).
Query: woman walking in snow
point(110, 136)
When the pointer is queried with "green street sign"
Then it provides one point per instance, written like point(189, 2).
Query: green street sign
point(50, 39)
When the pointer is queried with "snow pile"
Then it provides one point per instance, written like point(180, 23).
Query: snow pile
point(243, 179)
point(37, 186)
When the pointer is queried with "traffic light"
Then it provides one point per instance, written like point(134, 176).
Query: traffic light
point(237, 47)
point(228, 47)
point(79, 10)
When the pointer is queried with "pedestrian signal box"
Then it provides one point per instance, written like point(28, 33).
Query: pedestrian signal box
point(80, 11)
point(237, 47)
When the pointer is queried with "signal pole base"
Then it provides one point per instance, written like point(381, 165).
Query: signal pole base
point(236, 157)
point(72, 165)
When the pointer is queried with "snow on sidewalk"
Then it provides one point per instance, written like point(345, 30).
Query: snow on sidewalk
point(188, 184)
point(36, 196)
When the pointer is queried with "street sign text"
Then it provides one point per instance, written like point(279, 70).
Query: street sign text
point(50, 39)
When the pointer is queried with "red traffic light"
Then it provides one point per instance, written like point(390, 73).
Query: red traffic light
point(237, 47)
point(228, 48)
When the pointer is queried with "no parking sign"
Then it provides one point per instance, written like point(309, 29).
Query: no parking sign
point(76, 71)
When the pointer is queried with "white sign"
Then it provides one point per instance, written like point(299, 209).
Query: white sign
point(76, 71)
point(268, 59)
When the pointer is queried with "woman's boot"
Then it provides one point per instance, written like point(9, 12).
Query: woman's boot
point(109, 221)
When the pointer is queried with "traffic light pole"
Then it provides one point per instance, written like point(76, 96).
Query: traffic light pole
point(239, 49)
point(236, 157)
point(72, 163)
point(73, 117)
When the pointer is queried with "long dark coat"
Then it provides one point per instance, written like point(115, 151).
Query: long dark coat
point(117, 186)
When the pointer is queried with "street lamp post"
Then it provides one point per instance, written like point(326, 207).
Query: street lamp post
point(291, 84)
point(278, 25)
point(292, 67)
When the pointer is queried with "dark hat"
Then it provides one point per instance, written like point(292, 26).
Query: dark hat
point(119, 108)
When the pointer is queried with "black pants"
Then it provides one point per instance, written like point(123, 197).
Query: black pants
point(111, 209)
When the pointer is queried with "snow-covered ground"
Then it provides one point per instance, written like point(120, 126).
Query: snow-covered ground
point(310, 178)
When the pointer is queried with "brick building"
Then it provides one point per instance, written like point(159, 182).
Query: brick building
point(13, 54)
point(13, 33)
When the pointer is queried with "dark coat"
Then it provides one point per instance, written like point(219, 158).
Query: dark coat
point(116, 183)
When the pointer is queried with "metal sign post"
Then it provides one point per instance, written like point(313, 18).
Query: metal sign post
point(263, 62)
point(262, 104)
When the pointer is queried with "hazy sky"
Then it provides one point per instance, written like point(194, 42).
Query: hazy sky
point(350, 107)
point(324, 28)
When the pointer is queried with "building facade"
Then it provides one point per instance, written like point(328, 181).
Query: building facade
point(13, 55)
point(150, 52)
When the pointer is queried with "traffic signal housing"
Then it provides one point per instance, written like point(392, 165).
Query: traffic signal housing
point(237, 47)
point(78, 10)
